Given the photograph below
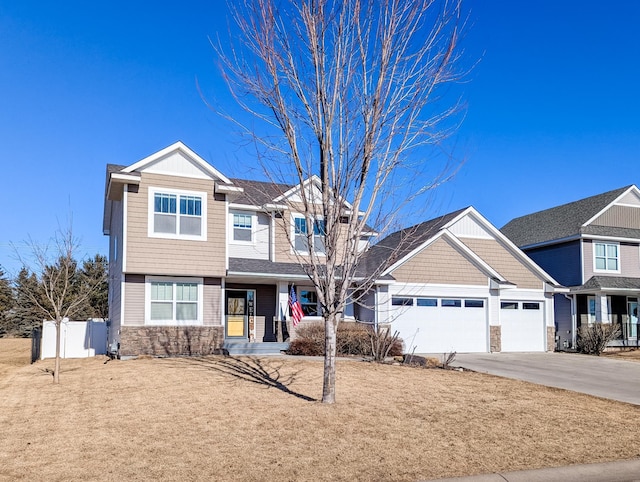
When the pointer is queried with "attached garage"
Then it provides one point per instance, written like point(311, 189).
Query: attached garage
point(457, 284)
point(522, 325)
point(441, 325)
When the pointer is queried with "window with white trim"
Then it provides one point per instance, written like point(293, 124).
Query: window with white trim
point(606, 256)
point(242, 227)
point(301, 232)
point(174, 302)
point(177, 214)
point(308, 302)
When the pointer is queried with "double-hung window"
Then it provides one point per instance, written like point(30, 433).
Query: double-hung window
point(606, 256)
point(301, 232)
point(242, 227)
point(177, 214)
point(174, 302)
point(309, 302)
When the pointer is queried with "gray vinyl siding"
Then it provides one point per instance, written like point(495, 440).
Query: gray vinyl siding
point(115, 271)
point(259, 248)
point(561, 261)
point(629, 260)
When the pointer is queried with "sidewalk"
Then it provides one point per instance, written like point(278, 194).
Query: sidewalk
point(622, 471)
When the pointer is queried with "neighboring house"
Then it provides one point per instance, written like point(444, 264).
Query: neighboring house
point(198, 261)
point(455, 283)
point(593, 247)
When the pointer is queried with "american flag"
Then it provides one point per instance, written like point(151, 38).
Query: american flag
point(294, 306)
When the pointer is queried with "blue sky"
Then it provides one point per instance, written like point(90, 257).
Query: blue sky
point(552, 106)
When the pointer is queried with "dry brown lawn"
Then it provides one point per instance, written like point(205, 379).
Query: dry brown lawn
point(250, 419)
point(14, 353)
point(631, 355)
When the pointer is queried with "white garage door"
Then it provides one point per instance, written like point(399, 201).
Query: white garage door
point(441, 325)
point(523, 326)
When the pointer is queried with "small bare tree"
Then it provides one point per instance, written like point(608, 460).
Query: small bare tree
point(62, 290)
point(349, 92)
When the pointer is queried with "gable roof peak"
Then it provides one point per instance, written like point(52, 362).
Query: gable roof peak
point(560, 222)
point(178, 146)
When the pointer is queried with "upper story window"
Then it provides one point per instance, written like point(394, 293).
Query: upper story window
point(301, 232)
point(177, 214)
point(606, 256)
point(242, 227)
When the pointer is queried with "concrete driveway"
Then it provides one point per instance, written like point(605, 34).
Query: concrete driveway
point(602, 377)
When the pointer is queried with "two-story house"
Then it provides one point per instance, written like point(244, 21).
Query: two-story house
point(198, 260)
point(593, 247)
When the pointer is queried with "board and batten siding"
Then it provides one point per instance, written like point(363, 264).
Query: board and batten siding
point(174, 257)
point(500, 259)
point(212, 292)
point(629, 259)
point(440, 263)
point(562, 261)
point(619, 217)
point(134, 299)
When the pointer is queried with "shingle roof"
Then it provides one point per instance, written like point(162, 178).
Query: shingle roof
point(257, 193)
point(561, 221)
point(597, 283)
point(253, 266)
point(397, 245)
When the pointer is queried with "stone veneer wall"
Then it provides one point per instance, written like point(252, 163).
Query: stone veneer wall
point(495, 338)
point(551, 338)
point(170, 340)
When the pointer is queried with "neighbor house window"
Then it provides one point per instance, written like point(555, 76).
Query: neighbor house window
point(593, 308)
point(530, 306)
point(242, 226)
point(177, 214)
point(427, 302)
point(474, 303)
point(452, 303)
point(174, 301)
point(508, 305)
point(309, 302)
point(607, 256)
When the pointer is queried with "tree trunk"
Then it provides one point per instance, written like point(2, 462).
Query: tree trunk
point(56, 369)
point(329, 380)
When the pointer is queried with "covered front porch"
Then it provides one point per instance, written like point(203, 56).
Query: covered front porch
point(256, 313)
point(608, 299)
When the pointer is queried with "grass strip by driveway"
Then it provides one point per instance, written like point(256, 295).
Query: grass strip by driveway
point(219, 418)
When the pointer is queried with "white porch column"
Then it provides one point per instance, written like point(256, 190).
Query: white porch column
point(602, 309)
point(283, 301)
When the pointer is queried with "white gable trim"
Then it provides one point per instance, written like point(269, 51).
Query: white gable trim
point(180, 147)
point(517, 252)
point(615, 201)
point(315, 180)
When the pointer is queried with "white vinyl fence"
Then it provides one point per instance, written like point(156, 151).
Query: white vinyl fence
point(78, 339)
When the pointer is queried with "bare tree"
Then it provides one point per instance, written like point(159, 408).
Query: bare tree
point(350, 95)
point(61, 291)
